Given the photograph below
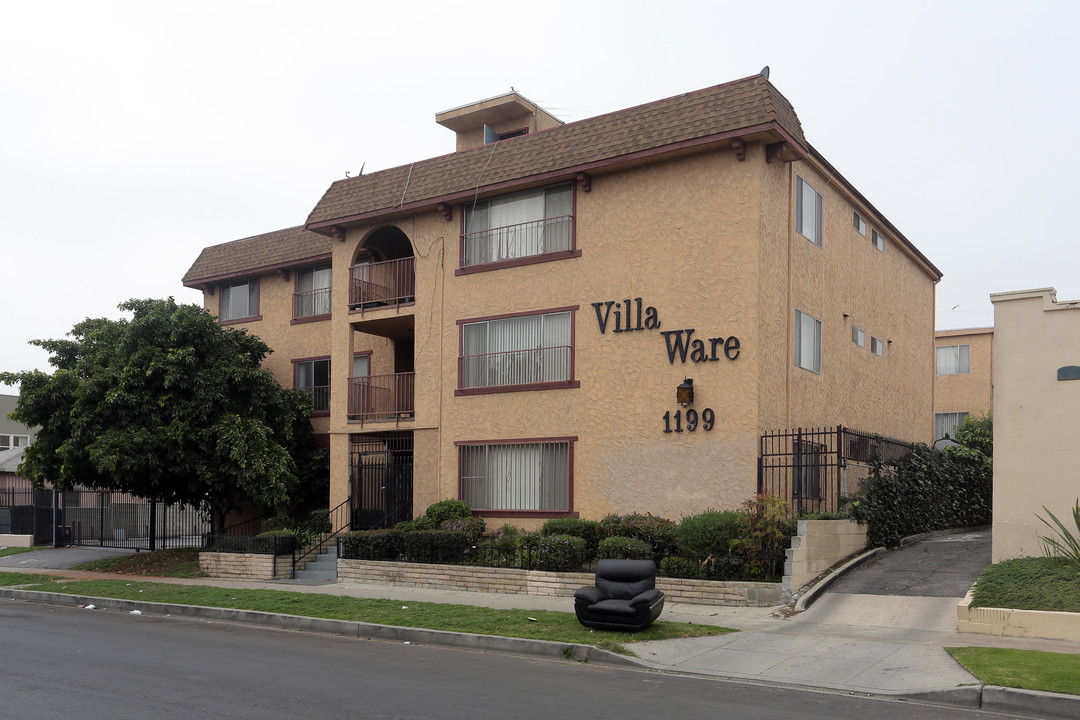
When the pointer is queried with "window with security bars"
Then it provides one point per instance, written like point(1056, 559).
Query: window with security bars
point(952, 360)
point(516, 476)
point(522, 350)
point(809, 461)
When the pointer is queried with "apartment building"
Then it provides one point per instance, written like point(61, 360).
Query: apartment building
point(963, 377)
point(600, 316)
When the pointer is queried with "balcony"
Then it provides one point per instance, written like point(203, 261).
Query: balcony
point(518, 241)
point(383, 284)
point(381, 397)
point(320, 398)
point(536, 366)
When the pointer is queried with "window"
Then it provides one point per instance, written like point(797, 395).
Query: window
point(313, 377)
point(808, 211)
point(518, 476)
point(858, 223)
point(877, 347)
point(877, 240)
point(952, 360)
point(240, 300)
point(312, 296)
point(807, 342)
point(945, 424)
point(525, 224)
point(858, 336)
point(523, 350)
point(7, 442)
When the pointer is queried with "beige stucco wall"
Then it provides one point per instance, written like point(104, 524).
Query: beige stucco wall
point(970, 392)
point(1036, 445)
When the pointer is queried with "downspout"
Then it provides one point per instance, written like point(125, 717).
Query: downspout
point(789, 340)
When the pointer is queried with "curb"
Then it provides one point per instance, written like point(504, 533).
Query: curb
point(912, 539)
point(345, 628)
point(809, 597)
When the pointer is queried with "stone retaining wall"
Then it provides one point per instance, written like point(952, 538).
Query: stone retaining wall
point(819, 545)
point(245, 566)
point(536, 582)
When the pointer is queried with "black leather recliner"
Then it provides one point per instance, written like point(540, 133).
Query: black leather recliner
point(624, 597)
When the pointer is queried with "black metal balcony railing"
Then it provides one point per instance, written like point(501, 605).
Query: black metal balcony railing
point(381, 397)
point(515, 367)
point(308, 303)
point(382, 284)
point(521, 240)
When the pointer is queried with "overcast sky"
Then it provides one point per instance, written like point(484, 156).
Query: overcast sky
point(133, 134)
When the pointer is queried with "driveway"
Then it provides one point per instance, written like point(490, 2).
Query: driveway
point(59, 558)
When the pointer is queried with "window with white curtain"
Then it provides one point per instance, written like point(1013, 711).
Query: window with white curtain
point(312, 292)
point(945, 424)
point(807, 342)
point(521, 350)
point(808, 211)
point(524, 224)
point(516, 476)
point(240, 300)
point(952, 360)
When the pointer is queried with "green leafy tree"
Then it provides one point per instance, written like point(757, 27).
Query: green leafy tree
point(169, 406)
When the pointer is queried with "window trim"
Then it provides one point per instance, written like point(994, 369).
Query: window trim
point(880, 352)
point(573, 252)
point(258, 301)
point(959, 357)
point(819, 211)
point(861, 342)
point(297, 320)
point(858, 222)
point(877, 240)
point(329, 378)
point(573, 382)
point(569, 512)
point(797, 341)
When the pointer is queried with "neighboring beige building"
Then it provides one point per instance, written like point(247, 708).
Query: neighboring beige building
point(12, 434)
point(1036, 417)
point(963, 377)
point(508, 324)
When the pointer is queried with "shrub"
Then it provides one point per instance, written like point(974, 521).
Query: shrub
point(767, 530)
point(435, 546)
point(708, 533)
point(284, 541)
point(587, 530)
point(501, 548)
point(444, 510)
point(558, 553)
point(677, 566)
point(473, 527)
point(1063, 544)
point(319, 521)
point(621, 547)
point(276, 522)
point(658, 532)
point(373, 545)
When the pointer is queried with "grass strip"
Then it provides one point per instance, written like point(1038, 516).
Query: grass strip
point(5, 551)
point(1025, 669)
point(1033, 583)
point(531, 624)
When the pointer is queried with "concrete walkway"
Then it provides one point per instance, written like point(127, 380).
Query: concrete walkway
point(851, 642)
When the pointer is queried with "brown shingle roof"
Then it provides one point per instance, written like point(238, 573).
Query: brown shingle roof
point(281, 248)
point(723, 109)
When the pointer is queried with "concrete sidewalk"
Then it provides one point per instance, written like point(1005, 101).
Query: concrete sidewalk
point(866, 644)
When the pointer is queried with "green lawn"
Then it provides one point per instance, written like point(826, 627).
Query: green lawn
point(5, 551)
point(179, 562)
point(534, 624)
point(1027, 669)
point(1035, 583)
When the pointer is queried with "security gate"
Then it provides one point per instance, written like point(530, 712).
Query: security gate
point(381, 474)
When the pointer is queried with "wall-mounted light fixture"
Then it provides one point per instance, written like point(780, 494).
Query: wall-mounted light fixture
point(684, 393)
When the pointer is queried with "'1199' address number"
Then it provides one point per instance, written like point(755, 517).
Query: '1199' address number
point(674, 423)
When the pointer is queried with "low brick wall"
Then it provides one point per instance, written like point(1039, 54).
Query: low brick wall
point(535, 582)
point(819, 545)
point(1017, 623)
point(245, 566)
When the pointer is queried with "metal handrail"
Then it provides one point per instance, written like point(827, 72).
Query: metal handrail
point(324, 538)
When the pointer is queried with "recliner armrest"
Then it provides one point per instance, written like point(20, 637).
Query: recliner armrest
point(646, 598)
point(590, 594)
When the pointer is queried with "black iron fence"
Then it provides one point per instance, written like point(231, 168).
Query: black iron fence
point(444, 549)
point(120, 520)
point(815, 467)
